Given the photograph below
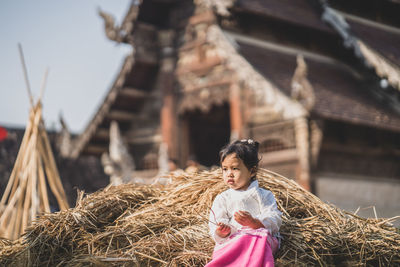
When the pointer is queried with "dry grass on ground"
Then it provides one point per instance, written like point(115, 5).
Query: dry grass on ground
point(131, 225)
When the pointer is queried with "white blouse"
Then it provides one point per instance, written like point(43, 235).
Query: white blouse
point(260, 203)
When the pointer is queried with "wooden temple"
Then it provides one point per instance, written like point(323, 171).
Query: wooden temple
point(317, 83)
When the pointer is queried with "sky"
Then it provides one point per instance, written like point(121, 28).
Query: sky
point(68, 38)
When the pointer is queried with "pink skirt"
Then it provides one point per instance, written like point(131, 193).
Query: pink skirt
point(246, 248)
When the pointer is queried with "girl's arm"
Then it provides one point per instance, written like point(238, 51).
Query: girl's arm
point(219, 218)
point(270, 216)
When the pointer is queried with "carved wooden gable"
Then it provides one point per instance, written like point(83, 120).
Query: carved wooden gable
point(209, 67)
point(203, 77)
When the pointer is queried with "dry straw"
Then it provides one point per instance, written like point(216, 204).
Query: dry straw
point(131, 225)
point(25, 195)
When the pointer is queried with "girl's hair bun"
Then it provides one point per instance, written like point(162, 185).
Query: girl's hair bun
point(251, 142)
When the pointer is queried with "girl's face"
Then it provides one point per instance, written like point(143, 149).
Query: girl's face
point(235, 173)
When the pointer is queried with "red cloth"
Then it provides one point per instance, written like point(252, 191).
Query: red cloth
point(3, 133)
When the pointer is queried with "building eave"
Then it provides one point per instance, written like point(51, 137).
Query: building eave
point(84, 138)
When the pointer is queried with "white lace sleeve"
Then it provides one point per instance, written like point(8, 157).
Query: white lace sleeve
point(269, 215)
point(219, 214)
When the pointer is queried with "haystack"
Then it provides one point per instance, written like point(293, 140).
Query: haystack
point(132, 225)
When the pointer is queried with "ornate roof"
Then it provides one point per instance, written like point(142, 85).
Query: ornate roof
point(340, 93)
point(376, 44)
point(349, 57)
point(235, 70)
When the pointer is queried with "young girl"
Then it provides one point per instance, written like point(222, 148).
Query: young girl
point(247, 216)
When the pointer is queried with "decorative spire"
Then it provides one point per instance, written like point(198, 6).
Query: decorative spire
point(64, 141)
point(302, 90)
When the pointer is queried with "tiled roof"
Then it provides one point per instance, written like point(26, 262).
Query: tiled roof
point(299, 12)
point(339, 94)
point(383, 40)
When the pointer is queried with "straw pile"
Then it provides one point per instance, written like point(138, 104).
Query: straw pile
point(130, 225)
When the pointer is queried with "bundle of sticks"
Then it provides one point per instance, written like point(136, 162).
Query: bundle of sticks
point(133, 225)
point(26, 194)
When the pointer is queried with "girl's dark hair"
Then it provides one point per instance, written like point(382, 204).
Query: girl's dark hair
point(246, 150)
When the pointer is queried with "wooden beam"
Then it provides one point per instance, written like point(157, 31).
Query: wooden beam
point(121, 115)
point(282, 48)
point(360, 150)
point(103, 133)
point(225, 82)
point(140, 140)
point(147, 56)
point(144, 131)
point(96, 149)
point(370, 23)
point(281, 156)
point(133, 93)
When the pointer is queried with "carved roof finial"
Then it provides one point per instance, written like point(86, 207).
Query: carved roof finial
point(64, 141)
point(302, 89)
point(120, 34)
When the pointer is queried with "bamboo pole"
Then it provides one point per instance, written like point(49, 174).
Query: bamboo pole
point(28, 87)
point(53, 175)
point(17, 166)
point(35, 205)
point(33, 176)
point(30, 143)
point(18, 217)
point(51, 178)
point(21, 219)
point(11, 226)
point(42, 188)
point(43, 84)
point(26, 136)
point(26, 192)
point(30, 172)
point(34, 195)
point(9, 209)
point(19, 186)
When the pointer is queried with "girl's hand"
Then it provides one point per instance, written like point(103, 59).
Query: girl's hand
point(223, 230)
point(244, 218)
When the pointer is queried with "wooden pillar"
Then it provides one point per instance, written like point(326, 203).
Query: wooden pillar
point(167, 77)
point(167, 114)
point(316, 135)
point(235, 112)
point(184, 141)
point(303, 153)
